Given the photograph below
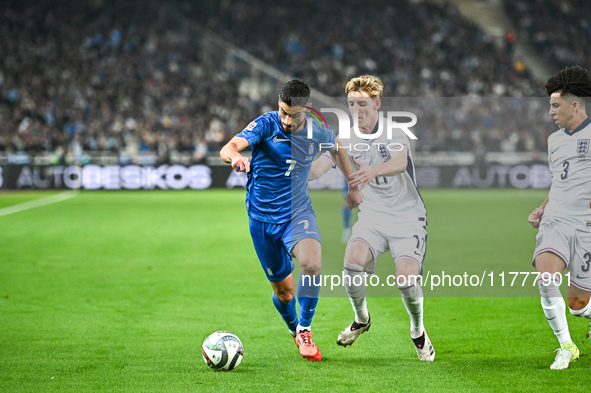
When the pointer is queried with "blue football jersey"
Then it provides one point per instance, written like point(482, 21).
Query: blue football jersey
point(277, 185)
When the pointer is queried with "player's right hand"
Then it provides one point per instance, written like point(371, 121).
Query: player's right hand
point(363, 176)
point(535, 217)
point(241, 164)
point(354, 198)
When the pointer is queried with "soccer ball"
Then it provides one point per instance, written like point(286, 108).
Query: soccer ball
point(222, 351)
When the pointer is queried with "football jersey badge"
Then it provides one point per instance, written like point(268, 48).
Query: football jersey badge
point(384, 153)
point(539, 241)
point(582, 146)
point(311, 148)
point(251, 126)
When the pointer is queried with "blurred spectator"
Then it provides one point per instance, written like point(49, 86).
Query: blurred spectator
point(417, 48)
point(102, 76)
point(559, 29)
point(84, 78)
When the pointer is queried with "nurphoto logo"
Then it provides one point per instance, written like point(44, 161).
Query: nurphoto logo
point(387, 121)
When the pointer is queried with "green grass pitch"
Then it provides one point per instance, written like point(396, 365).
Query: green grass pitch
point(116, 291)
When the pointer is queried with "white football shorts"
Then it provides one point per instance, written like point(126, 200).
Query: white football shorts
point(405, 240)
point(571, 245)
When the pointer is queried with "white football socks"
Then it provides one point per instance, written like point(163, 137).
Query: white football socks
point(555, 310)
point(354, 274)
point(412, 297)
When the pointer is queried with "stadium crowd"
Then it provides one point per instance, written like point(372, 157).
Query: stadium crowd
point(83, 77)
point(80, 78)
point(558, 29)
point(417, 48)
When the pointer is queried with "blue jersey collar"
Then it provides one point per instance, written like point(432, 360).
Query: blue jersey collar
point(579, 128)
point(375, 129)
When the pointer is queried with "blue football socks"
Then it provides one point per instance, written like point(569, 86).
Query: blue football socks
point(308, 292)
point(288, 312)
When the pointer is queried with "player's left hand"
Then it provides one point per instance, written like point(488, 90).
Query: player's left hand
point(363, 176)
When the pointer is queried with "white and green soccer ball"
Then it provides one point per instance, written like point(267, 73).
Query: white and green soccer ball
point(222, 351)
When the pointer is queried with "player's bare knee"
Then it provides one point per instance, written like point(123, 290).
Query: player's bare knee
point(311, 267)
point(284, 296)
point(407, 268)
point(576, 304)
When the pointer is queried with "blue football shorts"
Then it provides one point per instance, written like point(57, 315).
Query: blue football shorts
point(273, 242)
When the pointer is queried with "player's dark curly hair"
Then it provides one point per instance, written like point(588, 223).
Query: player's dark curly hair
point(572, 81)
point(295, 93)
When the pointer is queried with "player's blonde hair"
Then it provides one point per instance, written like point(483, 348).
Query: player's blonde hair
point(370, 84)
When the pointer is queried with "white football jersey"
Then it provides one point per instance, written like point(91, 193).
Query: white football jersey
point(389, 200)
point(569, 157)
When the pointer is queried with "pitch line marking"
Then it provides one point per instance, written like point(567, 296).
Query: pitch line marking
point(48, 200)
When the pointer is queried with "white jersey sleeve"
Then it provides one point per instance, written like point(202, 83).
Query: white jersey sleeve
point(390, 200)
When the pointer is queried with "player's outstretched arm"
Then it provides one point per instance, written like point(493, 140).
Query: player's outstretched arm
point(366, 173)
point(536, 216)
point(230, 153)
point(340, 157)
point(320, 166)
